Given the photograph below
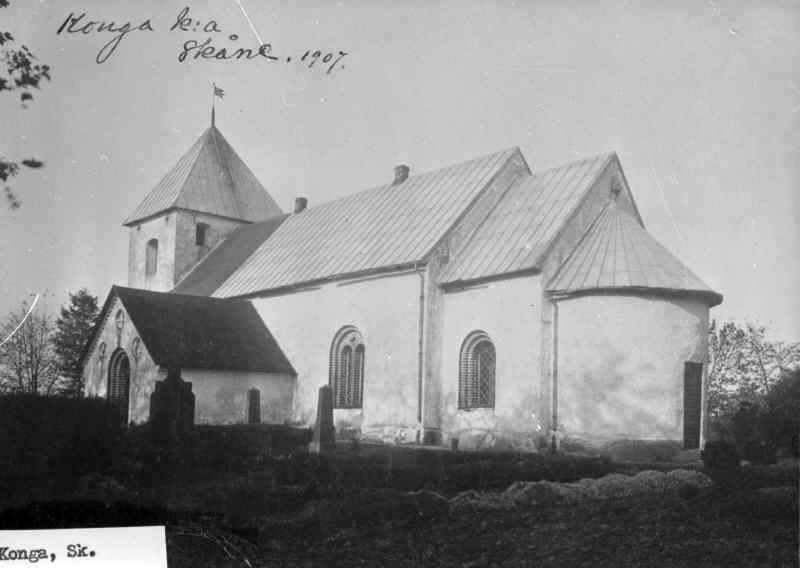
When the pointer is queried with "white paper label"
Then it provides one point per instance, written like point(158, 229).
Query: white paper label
point(116, 547)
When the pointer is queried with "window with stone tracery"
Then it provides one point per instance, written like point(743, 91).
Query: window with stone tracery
point(346, 373)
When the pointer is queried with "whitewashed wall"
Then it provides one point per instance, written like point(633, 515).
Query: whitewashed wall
point(621, 364)
point(386, 311)
point(162, 228)
point(144, 372)
point(221, 396)
point(509, 312)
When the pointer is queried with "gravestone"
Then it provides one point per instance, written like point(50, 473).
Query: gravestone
point(324, 432)
point(172, 408)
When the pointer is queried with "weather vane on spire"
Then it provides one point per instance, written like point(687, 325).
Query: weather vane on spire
point(218, 92)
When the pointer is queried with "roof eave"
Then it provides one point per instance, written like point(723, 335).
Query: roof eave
point(454, 285)
point(130, 222)
point(101, 317)
point(309, 284)
point(539, 261)
point(709, 296)
point(512, 152)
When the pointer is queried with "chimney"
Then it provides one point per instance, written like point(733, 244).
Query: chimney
point(300, 204)
point(400, 174)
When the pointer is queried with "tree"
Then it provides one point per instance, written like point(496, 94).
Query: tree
point(28, 362)
point(73, 328)
point(782, 414)
point(745, 365)
point(22, 73)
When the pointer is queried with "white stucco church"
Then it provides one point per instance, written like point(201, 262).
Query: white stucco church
point(481, 301)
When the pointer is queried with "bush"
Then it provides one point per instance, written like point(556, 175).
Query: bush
point(53, 441)
point(781, 418)
point(722, 462)
point(208, 451)
point(644, 487)
point(239, 447)
point(763, 426)
point(642, 450)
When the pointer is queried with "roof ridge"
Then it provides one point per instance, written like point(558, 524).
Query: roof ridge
point(195, 148)
point(604, 155)
point(589, 184)
point(225, 161)
point(225, 166)
point(195, 161)
point(142, 291)
point(417, 175)
point(469, 206)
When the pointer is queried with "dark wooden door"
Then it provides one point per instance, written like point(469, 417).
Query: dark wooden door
point(692, 404)
point(254, 406)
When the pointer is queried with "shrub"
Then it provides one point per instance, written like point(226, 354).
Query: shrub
point(209, 450)
point(721, 461)
point(54, 441)
point(642, 450)
point(781, 418)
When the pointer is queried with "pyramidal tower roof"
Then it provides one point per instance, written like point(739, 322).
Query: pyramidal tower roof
point(617, 253)
point(209, 178)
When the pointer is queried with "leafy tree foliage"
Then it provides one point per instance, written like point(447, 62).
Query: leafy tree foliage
point(19, 71)
point(753, 390)
point(28, 362)
point(745, 365)
point(73, 328)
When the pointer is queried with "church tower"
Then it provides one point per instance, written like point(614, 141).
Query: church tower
point(207, 194)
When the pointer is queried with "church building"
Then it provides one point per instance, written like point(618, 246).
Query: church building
point(482, 302)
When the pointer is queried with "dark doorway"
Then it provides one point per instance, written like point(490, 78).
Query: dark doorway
point(692, 404)
point(119, 381)
point(253, 406)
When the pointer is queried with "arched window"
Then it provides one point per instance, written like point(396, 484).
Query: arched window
point(201, 234)
point(151, 258)
point(119, 380)
point(476, 372)
point(254, 406)
point(347, 368)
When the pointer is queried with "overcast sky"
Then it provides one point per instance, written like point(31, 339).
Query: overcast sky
point(701, 100)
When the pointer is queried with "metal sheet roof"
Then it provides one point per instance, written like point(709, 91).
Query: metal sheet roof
point(517, 233)
point(209, 178)
point(616, 252)
point(226, 257)
point(379, 228)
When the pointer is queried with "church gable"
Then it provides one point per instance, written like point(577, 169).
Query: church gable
point(518, 234)
point(193, 332)
point(610, 183)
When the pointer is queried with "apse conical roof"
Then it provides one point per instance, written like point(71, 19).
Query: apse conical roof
point(209, 178)
point(617, 253)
